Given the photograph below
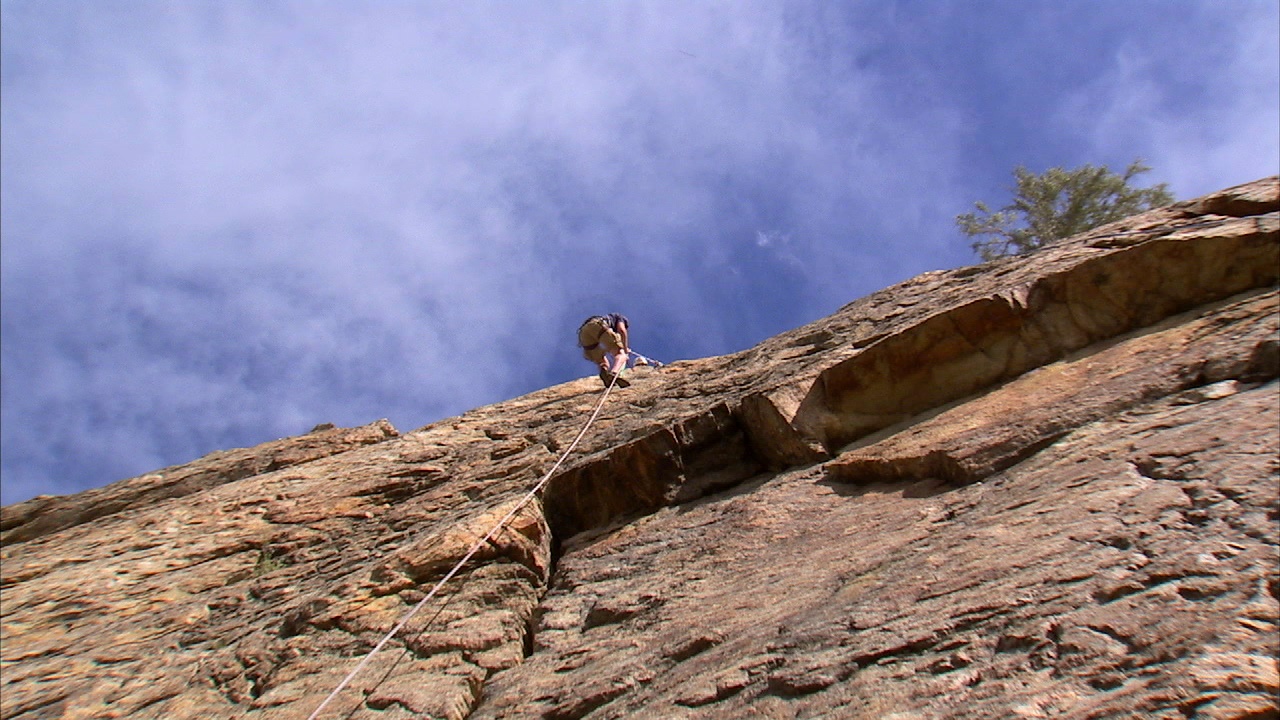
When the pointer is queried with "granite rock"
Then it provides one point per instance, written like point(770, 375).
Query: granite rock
point(1046, 486)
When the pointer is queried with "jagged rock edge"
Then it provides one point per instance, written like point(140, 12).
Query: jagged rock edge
point(811, 435)
point(1032, 326)
point(683, 443)
point(46, 514)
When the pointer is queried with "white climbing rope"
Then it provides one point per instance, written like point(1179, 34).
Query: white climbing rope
point(474, 549)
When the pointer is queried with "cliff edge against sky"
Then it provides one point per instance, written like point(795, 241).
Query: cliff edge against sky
point(1041, 487)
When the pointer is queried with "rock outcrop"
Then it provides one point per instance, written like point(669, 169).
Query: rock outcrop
point(1047, 486)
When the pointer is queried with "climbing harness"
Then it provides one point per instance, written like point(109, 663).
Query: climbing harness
point(474, 549)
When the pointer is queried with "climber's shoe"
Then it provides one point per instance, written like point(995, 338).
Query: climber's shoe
point(606, 377)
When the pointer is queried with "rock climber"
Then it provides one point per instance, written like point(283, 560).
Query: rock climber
point(601, 336)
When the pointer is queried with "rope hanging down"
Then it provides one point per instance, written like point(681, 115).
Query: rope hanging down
point(474, 549)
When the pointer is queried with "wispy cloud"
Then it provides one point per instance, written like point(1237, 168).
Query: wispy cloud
point(228, 221)
point(1212, 124)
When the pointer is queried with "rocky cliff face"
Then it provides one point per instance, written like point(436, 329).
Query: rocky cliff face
point(1042, 487)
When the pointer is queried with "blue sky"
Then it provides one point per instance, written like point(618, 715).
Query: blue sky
point(225, 222)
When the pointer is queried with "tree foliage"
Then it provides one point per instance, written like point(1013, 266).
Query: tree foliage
point(1057, 204)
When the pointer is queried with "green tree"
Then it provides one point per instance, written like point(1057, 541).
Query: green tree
point(1057, 204)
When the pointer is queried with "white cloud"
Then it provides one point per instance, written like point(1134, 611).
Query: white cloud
point(228, 221)
point(1204, 115)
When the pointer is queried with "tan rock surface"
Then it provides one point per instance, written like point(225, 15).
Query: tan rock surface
point(1043, 487)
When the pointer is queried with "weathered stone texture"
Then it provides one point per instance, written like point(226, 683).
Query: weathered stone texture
point(45, 514)
point(1042, 487)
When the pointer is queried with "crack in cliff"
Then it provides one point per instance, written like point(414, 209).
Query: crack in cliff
point(656, 470)
point(693, 457)
point(873, 410)
point(1012, 334)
